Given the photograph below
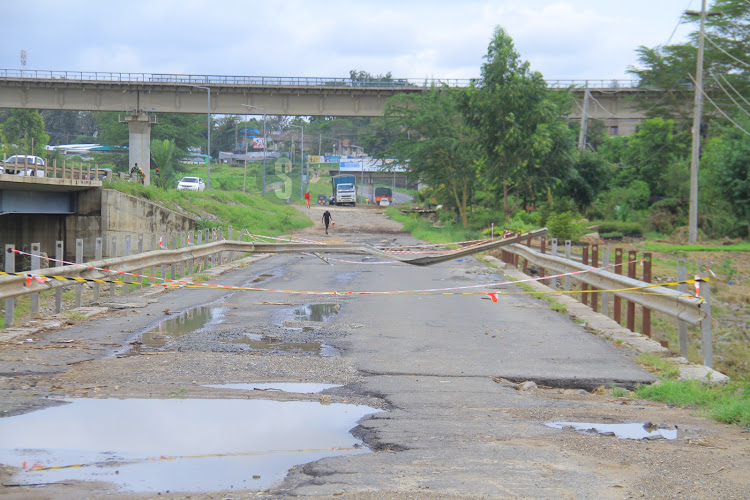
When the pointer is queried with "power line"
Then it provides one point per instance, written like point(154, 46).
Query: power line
point(727, 94)
point(734, 89)
point(725, 52)
point(679, 21)
point(719, 109)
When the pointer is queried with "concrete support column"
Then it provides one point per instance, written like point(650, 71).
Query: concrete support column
point(139, 152)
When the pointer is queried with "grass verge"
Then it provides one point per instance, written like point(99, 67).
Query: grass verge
point(729, 403)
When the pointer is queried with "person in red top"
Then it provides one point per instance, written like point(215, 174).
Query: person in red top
point(307, 198)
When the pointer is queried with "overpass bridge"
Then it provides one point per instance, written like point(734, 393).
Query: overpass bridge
point(139, 94)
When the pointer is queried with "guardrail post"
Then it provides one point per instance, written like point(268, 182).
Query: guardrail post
point(543, 250)
point(647, 278)
point(526, 261)
point(182, 245)
point(140, 251)
point(191, 242)
point(553, 244)
point(682, 326)
point(113, 254)
point(618, 300)
point(632, 255)
point(152, 270)
point(213, 255)
point(707, 345)
point(59, 256)
point(10, 267)
point(594, 264)
point(515, 256)
point(229, 237)
point(568, 254)
point(79, 260)
point(173, 266)
point(97, 256)
point(35, 252)
point(163, 274)
point(221, 238)
point(199, 241)
point(125, 277)
point(605, 295)
point(584, 286)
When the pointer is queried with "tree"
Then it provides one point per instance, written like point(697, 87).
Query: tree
point(23, 132)
point(438, 145)
point(519, 123)
point(164, 156)
point(586, 180)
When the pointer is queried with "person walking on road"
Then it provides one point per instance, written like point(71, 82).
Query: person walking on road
point(327, 219)
point(307, 198)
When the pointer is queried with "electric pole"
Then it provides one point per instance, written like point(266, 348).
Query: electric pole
point(697, 112)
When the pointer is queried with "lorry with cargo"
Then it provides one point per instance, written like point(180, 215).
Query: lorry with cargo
point(344, 190)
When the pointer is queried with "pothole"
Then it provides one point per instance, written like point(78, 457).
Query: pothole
point(189, 321)
point(648, 431)
point(185, 445)
point(297, 388)
point(316, 312)
point(275, 343)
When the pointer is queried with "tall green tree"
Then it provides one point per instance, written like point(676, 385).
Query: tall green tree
point(440, 148)
point(526, 144)
point(23, 132)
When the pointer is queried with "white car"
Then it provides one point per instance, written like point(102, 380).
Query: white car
point(191, 184)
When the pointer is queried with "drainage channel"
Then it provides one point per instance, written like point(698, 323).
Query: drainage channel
point(188, 445)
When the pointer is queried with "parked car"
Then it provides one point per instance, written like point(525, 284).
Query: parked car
point(191, 184)
point(19, 164)
point(322, 200)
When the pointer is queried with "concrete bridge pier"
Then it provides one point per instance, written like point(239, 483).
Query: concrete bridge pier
point(139, 152)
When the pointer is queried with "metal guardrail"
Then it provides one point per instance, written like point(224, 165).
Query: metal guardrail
point(664, 300)
point(283, 81)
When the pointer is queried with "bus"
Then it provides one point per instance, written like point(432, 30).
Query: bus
point(383, 196)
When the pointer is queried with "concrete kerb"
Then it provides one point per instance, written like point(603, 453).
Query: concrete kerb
point(608, 328)
point(58, 321)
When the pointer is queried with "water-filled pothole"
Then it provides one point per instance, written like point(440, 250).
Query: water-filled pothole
point(189, 321)
point(298, 388)
point(153, 445)
point(316, 312)
point(622, 431)
point(261, 343)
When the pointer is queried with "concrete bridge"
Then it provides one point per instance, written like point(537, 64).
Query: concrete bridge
point(139, 95)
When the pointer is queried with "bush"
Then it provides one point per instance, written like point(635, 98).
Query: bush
point(667, 214)
point(621, 228)
point(562, 226)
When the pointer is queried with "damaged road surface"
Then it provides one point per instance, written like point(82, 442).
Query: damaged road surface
point(431, 383)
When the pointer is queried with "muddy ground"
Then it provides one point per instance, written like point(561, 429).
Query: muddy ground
point(712, 460)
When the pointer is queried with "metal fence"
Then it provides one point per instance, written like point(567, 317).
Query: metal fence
point(599, 278)
point(172, 256)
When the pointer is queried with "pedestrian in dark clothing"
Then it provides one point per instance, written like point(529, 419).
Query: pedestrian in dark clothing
point(327, 219)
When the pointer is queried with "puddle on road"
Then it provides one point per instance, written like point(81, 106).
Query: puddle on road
point(316, 312)
point(189, 321)
point(298, 388)
point(256, 341)
point(190, 445)
point(622, 431)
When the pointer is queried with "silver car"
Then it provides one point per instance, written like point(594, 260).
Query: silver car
point(191, 184)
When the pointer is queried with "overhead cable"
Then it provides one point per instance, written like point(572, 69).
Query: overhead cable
point(718, 108)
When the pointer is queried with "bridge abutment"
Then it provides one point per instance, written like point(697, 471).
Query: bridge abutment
point(139, 152)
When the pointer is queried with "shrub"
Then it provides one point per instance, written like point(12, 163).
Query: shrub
point(562, 226)
point(621, 228)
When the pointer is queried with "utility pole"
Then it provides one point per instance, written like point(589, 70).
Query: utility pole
point(697, 113)
point(584, 119)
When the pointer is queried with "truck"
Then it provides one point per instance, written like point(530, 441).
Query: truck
point(383, 196)
point(344, 190)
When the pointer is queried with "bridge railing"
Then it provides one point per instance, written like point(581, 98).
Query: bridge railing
point(281, 81)
point(597, 285)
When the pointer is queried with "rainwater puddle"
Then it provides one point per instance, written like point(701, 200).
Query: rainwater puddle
point(189, 321)
point(195, 445)
point(299, 388)
point(316, 312)
point(622, 431)
point(256, 341)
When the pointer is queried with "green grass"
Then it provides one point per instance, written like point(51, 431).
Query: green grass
point(711, 247)
point(269, 215)
point(423, 229)
point(728, 403)
point(659, 365)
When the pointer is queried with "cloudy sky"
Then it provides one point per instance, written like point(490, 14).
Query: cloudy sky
point(564, 39)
